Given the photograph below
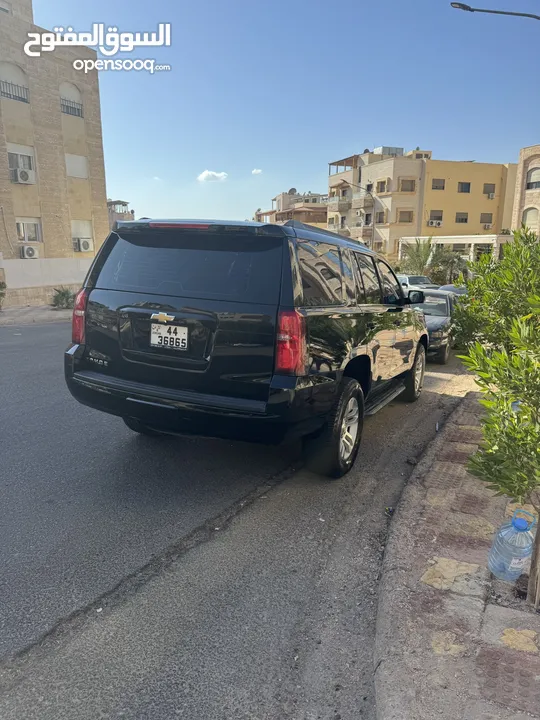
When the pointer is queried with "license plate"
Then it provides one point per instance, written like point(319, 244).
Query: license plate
point(174, 337)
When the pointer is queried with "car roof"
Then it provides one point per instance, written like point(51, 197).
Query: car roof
point(293, 228)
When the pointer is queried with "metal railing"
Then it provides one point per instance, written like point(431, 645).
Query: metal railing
point(14, 92)
point(70, 107)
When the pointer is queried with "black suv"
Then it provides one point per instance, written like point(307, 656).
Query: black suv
point(247, 331)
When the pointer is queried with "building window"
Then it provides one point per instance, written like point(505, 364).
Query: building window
point(486, 218)
point(76, 166)
point(368, 218)
point(81, 231)
point(369, 187)
point(407, 185)
point(405, 216)
point(530, 219)
point(28, 230)
point(533, 179)
point(381, 186)
point(459, 248)
point(462, 217)
point(6, 7)
point(419, 156)
point(464, 187)
point(489, 188)
point(21, 164)
point(71, 100)
point(437, 184)
point(379, 217)
point(13, 83)
point(436, 215)
point(342, 221)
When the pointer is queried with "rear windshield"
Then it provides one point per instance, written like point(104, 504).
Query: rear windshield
point(192, 264)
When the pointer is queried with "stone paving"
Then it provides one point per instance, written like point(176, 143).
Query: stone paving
point(443, 650)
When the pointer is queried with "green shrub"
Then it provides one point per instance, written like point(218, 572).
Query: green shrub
point(63, 298)
point(498, 322)
point(3, 288)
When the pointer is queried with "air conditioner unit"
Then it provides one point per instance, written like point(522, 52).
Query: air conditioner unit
point(435, 223)
point(488, 226)
point(358, 213)
point(83, 244)
point(25, 177)
point(29, 252)
point(491, 196)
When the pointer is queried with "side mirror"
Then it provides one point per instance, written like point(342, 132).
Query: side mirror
point(416, 297)
point(404, 284)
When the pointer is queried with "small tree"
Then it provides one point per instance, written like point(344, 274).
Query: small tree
point(427, 258)
point(498, 321)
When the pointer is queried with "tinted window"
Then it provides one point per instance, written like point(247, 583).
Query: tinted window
point(372, 290)
point(192, 264)
point(320, 270)
point(390, 285)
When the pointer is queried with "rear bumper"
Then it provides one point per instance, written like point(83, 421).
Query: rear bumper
point(288, 414)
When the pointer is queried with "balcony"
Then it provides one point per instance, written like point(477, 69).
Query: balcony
point(361, 200)
point(338, 203)
point(345, 231)
point(361, 232)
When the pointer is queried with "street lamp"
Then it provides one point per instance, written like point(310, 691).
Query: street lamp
point(468, 8)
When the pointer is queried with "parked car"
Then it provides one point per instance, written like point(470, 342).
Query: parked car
point(456, 289)
point(245, 330)
point(416, 282)
point(438, 307)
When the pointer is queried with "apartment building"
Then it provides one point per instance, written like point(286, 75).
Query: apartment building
point(310, 208)
point(466, 198)
point(382, 196)
point(376, 196)
point(118, 210)
point(526, 209)
point(52, 179)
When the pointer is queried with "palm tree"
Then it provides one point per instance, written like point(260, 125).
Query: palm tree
point(426, 258)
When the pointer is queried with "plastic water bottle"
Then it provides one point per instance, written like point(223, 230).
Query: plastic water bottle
point(512, 546)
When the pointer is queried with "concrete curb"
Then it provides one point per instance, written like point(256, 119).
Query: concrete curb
point(52, 316)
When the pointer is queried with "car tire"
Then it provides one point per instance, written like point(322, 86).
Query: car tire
point(414, 378)
point(333, 451)
point(139, 427)
point(443, 355)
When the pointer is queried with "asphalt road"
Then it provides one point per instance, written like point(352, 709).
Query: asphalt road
point(163, 578)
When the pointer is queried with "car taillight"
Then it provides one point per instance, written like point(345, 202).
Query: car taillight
point(291, 351)
point(79, 312)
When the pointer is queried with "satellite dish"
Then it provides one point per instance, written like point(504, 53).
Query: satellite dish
point(292, 191)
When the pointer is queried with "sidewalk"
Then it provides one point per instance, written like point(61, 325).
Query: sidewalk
point(451, 642)
point(27, 315)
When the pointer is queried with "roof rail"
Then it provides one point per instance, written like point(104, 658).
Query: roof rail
point(311, 228)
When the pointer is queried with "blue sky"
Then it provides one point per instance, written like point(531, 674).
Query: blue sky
point(287, 86)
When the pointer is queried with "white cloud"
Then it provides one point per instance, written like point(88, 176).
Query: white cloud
point(256, 171)
point(212, 176)
point(156, 178)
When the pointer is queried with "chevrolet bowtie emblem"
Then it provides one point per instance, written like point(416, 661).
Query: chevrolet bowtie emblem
point(162, 317)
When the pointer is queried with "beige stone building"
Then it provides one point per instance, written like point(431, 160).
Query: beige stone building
point(118, 210)
point(383, 196)
point(310, 208)
point(53, 210)
point(526, 209)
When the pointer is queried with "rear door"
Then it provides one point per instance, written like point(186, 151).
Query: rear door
point(402, 315)
point(187, 308)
